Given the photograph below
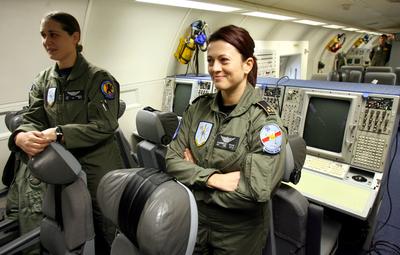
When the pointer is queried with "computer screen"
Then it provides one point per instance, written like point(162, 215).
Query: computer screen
point(325, 123)
point(181, 97)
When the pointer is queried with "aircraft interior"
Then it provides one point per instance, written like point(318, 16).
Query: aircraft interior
point(315, 69)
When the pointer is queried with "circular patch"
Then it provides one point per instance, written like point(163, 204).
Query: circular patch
point(108, 89)
point(271, 138)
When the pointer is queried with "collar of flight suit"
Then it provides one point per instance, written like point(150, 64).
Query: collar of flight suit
point(248, 98)
point(79, 68)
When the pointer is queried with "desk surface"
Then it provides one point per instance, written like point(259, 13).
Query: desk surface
point(344, 196)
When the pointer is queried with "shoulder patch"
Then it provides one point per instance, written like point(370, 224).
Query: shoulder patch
point(271, 138)
point(107, 89)
point(269, 110)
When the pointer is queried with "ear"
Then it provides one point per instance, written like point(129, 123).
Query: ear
point(76, 36)
point(248, 65)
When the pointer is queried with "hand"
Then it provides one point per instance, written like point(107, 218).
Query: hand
point(31, 142)
point(188, 156)
point(50, 134)
point(224, 182)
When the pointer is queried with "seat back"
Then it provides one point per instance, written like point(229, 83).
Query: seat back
point(67, 225)
point(319, 76)
point(355, 76)
point(380, 77)
point(337, 76)
point(397, 72)
point(157, 129)
point(379, 69)
point(154, 213)
point(128, 157)
point(297, 226)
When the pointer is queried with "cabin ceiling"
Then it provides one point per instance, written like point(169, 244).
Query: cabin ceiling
point(376, 15)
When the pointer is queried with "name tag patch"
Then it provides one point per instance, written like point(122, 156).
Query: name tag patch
point(227, 142)
point(73, 95)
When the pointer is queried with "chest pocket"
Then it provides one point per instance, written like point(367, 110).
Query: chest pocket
point(74, 106)
point(231, 145)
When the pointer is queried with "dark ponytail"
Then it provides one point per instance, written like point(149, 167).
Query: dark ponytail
point(242, 41)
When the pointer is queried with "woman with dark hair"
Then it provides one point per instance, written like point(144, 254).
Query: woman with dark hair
point(73, 103)
point(229, 150)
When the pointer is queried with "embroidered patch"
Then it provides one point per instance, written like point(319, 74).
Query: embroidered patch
point(271, 138)
point(108, 89)
point(51, 96)
point(73, 95)
point(227, 142)
point(202, 133)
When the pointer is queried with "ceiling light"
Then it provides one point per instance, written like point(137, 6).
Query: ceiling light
point(334, 26)
point(309, 22)
point(193, 5)
point(362, 31)
point(350, 29)
point(268, 15)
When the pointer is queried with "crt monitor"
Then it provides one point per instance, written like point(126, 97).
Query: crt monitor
point(325, 123)
point(181, 99)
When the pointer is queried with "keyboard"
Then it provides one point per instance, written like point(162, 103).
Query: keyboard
point(326, 166)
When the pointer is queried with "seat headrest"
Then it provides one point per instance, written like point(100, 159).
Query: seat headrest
point(295, 156)
point(121, 109)
point(386, 69)
point(55, 165)
point(155, 126)
point(166, 221)
point(13, 119)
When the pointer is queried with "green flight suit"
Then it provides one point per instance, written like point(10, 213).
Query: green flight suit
point(229, 222)
point(85, 105)
point(380, 54)
point(24, 202)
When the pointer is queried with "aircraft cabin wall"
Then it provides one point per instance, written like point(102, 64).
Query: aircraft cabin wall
point(134, 41)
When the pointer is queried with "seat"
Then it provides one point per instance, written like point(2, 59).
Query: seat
point(297, 226)
point(337, 76)
point(349, 68)
point(379, 69)
point(154, 213)
point(129, 158)
point(397, 72)
point(67, 225)
point(319, 76)
point(157, 129)
point(380, 78)
point(355, 76)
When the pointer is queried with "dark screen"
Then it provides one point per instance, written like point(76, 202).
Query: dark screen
point(182, 95)
point(325, 123)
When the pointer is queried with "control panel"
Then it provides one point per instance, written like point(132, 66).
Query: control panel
point(197, 86)
point(272, 94)
point(375, 129)
point(368, 130)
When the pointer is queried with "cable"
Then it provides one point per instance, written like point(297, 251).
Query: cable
point(375, 246)
point(278, 82)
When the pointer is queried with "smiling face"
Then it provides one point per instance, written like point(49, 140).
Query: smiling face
point(226, 66)
point(60, 46)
